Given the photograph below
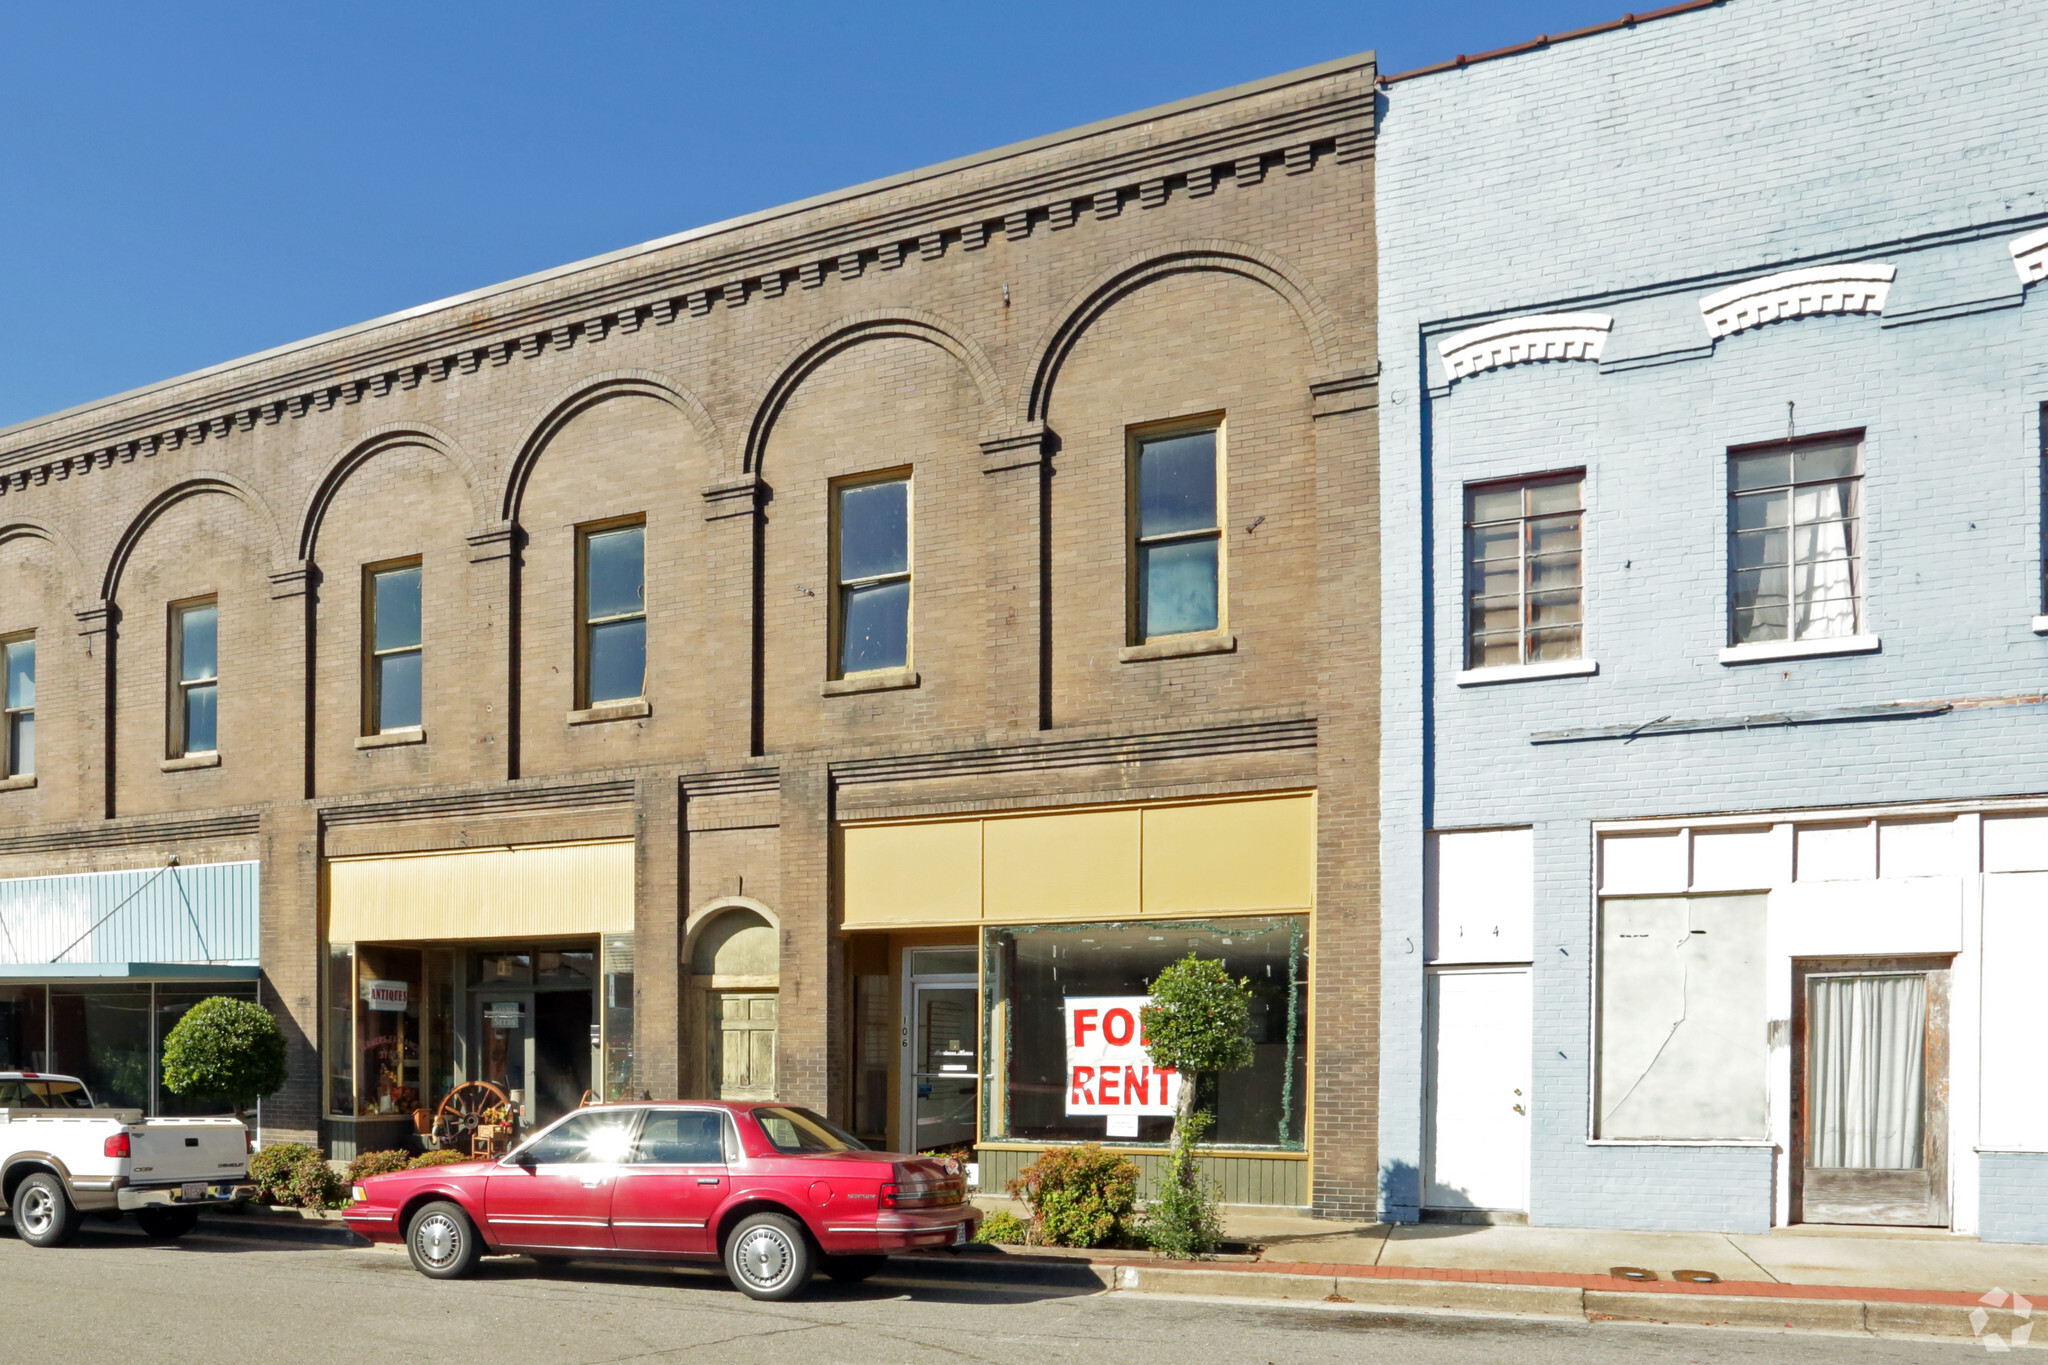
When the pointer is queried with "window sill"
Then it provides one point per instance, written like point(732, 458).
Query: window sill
point(1800, 649)
point(190, 762)
point(1177, 647)
point(17, 784)
point(1765, 1143)
point(392, 738)
point(880, 680)
point(612, 710)
point(1508, 673)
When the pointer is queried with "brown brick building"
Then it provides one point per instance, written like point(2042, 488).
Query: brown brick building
point(665, 672)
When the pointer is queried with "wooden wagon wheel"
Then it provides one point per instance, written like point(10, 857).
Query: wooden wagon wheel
point(589, 1098)
point(464, 1108)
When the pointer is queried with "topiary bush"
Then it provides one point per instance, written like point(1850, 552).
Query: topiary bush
point(1002, 1227)
point(296, 1176)
point(445, 1157)
point(1079, 1196)
point(368, 1164)
point(225, 1050)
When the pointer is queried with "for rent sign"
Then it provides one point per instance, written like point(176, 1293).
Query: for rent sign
point(1109, 1072)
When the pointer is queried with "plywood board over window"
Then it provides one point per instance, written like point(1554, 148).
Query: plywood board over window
point(1246, 854)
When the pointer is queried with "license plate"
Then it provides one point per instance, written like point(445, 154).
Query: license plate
point(194, 1190)
point(960, 1234)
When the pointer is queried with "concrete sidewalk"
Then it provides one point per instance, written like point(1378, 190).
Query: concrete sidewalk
point(1893, 1282)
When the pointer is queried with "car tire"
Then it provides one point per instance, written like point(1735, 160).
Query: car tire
point(853, 1269)
point(162, 1223)
point(442, 1241)
point(43, 1214)
point(768, 1257)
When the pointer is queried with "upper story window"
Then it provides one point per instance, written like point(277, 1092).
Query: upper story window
point(1177, 548)
point(1794, 544)
point(611, 591)
point(18, 706)
point(391, 634)
point(195, 678)
point(1525, 596)
point(871, 574)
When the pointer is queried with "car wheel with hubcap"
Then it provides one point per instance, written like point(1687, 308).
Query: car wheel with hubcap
point(161, 1223)
point(853, 1269)
point(43, 1213)
point(768, 1257)
point(442, 1242)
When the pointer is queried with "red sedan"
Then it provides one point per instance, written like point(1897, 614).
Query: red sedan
point(773, 1191)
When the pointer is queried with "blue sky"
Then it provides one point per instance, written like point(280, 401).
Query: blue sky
point(184, 183)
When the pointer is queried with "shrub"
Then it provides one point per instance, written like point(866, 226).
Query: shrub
point(1003, 1227)
point(1079, 1196)
point(271, 1168)
point(297, 1176)
point(445, 1157)
point(1184, 1223)
point(376, 1163)
point(226, 1050)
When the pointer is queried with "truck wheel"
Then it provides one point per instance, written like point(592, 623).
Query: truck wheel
point(43, 1215)
point(442, 1242)
point(162, 1223)
point(768, 1256)
point(853, 1269)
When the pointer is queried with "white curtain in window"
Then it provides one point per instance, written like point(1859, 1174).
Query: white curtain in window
point(1823, 563)
point(1867, 1041)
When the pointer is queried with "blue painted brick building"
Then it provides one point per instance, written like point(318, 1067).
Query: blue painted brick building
point(1716, 757)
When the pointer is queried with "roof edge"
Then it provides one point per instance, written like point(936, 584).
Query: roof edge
point(898, 180)
point(1545, 40)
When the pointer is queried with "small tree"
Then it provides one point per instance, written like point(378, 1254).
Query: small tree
point(1199, 1023)
point(227, 1051)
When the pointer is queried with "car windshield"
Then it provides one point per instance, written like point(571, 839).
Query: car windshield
point(43, 1094)
point(799, 1130)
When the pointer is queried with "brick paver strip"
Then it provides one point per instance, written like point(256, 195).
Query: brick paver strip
point(1762, 1289)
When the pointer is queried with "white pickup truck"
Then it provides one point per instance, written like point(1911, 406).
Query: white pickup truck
point(62, 1157)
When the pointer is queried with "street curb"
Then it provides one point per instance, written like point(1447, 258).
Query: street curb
point(275, 1228)
point(1590, 1298)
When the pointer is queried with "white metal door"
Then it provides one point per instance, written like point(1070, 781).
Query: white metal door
point(1478, 1145)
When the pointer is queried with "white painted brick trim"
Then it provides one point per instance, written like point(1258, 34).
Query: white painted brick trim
point(1540, 336)
point(2030, 255)
point(1858, 288)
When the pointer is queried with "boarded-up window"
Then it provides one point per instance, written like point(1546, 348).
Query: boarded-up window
point(1683, 1047)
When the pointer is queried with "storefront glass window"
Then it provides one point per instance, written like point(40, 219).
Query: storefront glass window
point(1031, 973)
point(171, 1004)
point(440, 1030)
point(24, 1028)
point(101, 1036)
point(618, 1016)
point(340, 1049)
point(389, 990)
point(566, 969)
point(501, 969)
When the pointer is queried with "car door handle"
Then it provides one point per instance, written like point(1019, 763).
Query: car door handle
point(707, 1180)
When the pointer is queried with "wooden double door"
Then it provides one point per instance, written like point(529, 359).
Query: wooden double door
point(1870, 1091)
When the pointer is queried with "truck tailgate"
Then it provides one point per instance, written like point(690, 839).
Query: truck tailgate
point(166, 1150)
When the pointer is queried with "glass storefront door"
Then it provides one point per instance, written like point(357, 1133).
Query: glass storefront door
point(504, 1040)
point(942, 998)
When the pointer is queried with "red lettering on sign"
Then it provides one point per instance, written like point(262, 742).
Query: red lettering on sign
point(1118, 1026)
point(1138, 1085)
point(1105, 1087)
point(1083, 1077)
point(1084, 1020)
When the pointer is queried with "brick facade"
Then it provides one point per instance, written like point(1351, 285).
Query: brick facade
point(1629, 174)
point(996, 324)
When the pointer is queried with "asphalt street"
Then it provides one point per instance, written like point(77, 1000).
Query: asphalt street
point(114, 1297)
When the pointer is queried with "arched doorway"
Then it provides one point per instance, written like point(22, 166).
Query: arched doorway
point(735, 974)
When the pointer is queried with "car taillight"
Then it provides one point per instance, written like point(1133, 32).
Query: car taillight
point(887, 1201)
point(117, 1145)
point(249, 1141)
